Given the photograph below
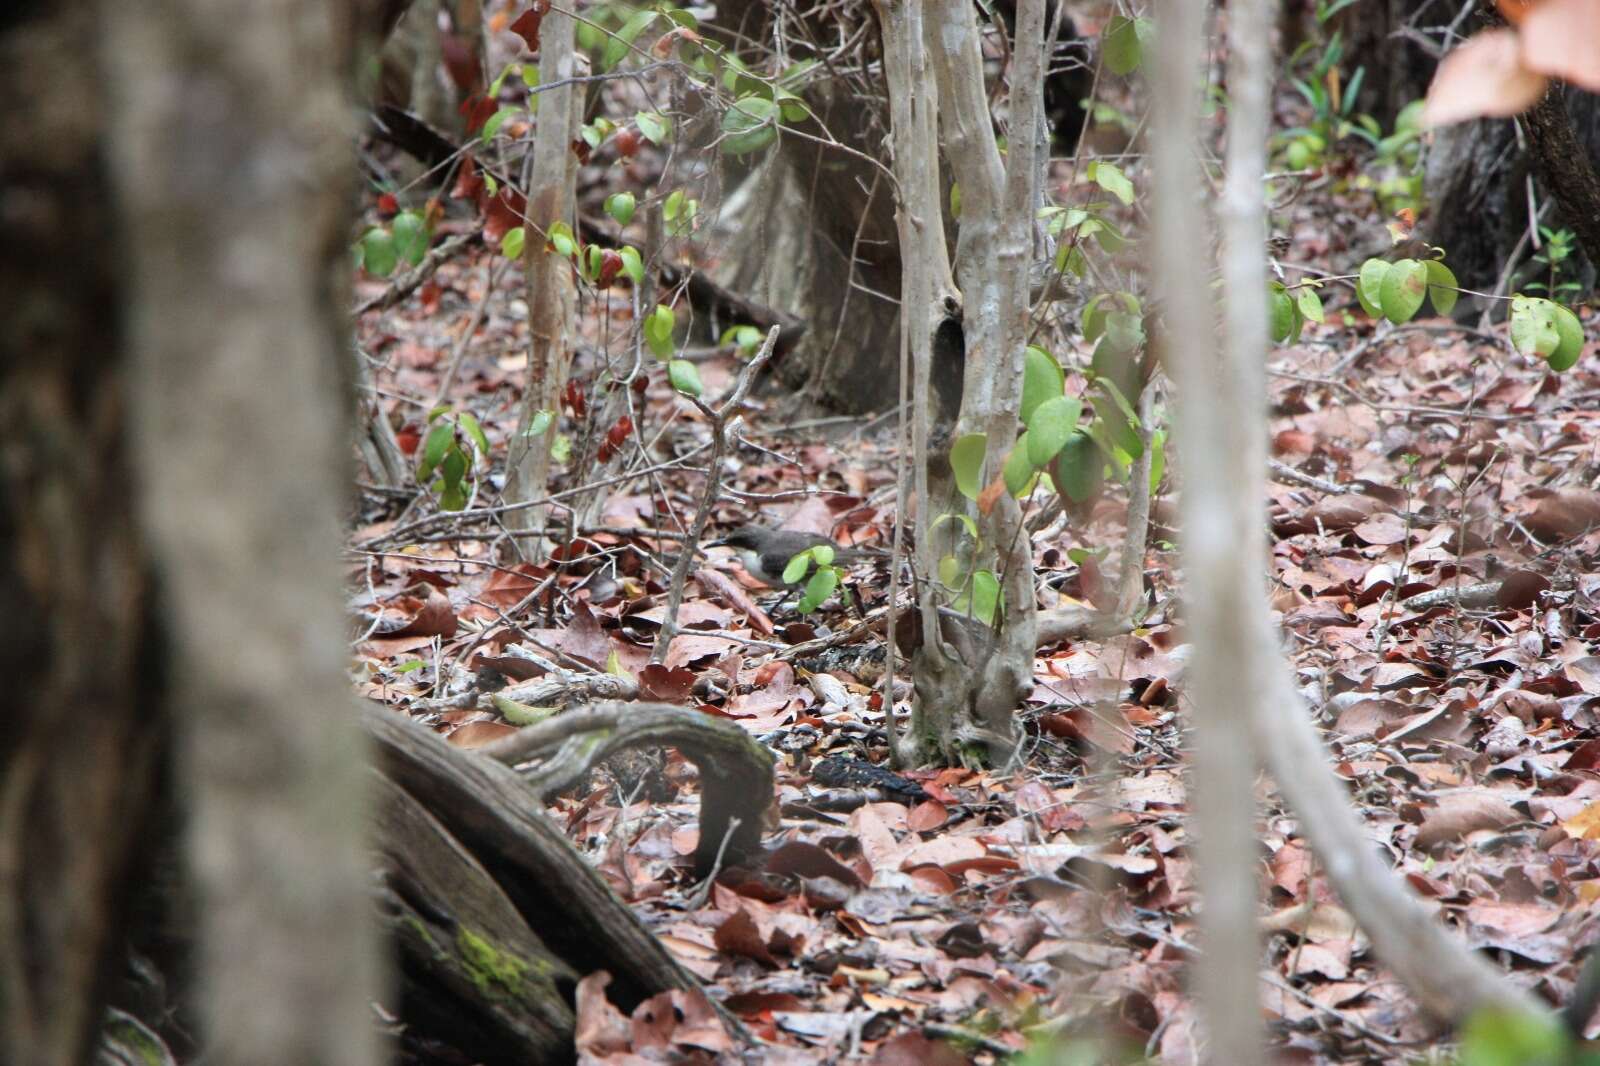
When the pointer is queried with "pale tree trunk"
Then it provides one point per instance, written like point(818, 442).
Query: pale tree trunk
point(1221, 427)
point(1241, 687)
point(85, 730)
point(231, 159)
point(968, 680)
point(551, 296)
point(967, 699)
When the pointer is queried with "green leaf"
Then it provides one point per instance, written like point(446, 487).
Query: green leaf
point(1369, 286)
point(1042, 379)
point(1122, 43)
point(1309, 303)
point(966, 462)
point(955, 199)
point(796, 568)
point(965, 520)
point(1052, 423)
point(1571, 345)
point(1442, 286)
point(410, 237)
point(1017, 471)
point(1125, 430)
point(1533, 326)
point(749, 125)
point(434, 447)
point(1078, 468)
point(632, 265)
point(658, 327)
point(1404, 287)
point(470, 424)
point(1124, 331)
point(745, 338)
point(542, 421)
point(378, 253)
point(823, 554)
point(950, 572)
point(1281, 314)
point(1500, 1037)
point(620, 205)
point(453, 471)
point(496, 120)
point(684, 377)
point(562, 240)
point(591, 261)
point(408, 667)
point(1112, 180)
point(520, 713)
point(822, 584)
point(514, 242)
point(985, 596)
point(618, 45)
point(561, 448)
point(653, 125)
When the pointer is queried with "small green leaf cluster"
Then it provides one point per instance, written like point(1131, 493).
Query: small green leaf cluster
point(1395, 173)
point(450, 454)
point(976, 592)
point(744, 339)
point(1546, 330)
point(822, 582)
point(1333, 114)
point(1072, 226)
point(1552, 260)
point(596, 265)
point(381, 249)
point(1290, 309)
point(1396, 290)
point(658, 327)
point(760, 106)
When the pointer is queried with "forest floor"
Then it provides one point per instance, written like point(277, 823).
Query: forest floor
point(964, 919)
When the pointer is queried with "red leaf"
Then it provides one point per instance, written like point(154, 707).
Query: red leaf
point(505, 213)
point(469, 183)
point(527, 24)
point(461, 62)
point(478, 109)
point(388, 206)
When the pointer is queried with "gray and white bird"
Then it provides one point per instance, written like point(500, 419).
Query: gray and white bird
point(766, 552)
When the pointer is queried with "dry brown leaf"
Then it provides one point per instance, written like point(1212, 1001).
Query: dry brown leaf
point(1484, 77)
point(1464, 813)
point(1561, 38)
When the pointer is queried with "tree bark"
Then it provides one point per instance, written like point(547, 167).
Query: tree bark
point(234, 185)
point(87, 732)
point(551, 295)
point(1221, 422)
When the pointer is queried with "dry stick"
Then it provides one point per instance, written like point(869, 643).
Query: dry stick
point(463, 341)
point(489, 513)
point(720, 417)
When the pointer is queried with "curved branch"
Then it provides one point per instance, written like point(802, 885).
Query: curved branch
point(735, 768)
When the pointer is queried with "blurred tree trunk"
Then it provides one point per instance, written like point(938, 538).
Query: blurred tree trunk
point(86, 730)
point(231, 161)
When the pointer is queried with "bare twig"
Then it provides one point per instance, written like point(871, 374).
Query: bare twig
point(720, 417)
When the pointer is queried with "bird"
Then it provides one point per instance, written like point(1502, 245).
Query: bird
point(765, 552)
